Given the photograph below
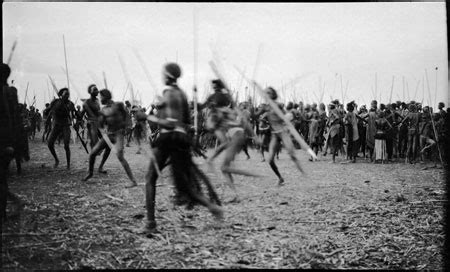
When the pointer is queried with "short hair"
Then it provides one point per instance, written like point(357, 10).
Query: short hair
point(106, 93)
point(90, 87)
point(218, 82)
point(5, 71)
point(60, 93)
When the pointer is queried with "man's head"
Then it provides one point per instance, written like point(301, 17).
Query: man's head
point(93, 90)
point(271, 93)
point(171, 72)
point(322, 106)
point(289, 106)
point(78, 107)
point(350, 107)
point(5, 71)
point(105, 96)
point(217, 85)
point(128, 104)
point(314, 106)
point(374, 104)
point(64, 94)
point(47, 105)
point(441, 105)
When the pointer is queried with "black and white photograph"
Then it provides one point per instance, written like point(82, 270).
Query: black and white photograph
point(224, 135)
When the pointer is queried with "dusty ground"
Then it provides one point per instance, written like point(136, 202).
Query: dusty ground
point(358, 216)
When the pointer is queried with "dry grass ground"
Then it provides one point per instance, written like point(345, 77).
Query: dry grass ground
point(360, 216)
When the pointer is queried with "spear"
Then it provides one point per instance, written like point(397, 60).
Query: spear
point(392, 88)
point(403, 82)
point(126, 90)
point(435, 92)
point(407, 90)
point(73, 85)
point(12, 52)
point(417, 87)
point(127, 79)
point(432, 120)
point(104, 80)
point(26, 93)
point(195, 72)
point(376, 86)
point(65, 58)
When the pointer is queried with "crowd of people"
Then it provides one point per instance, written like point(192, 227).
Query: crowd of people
point(383, 133)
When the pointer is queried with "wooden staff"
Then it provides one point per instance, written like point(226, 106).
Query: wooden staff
point(194, 94)
point(403, 82)
point(280, 114)
point(104, 80)
point(26, 93)
point(126, 90)
point(392, 88)
point(407, 90)
point(127, 78)
point(417, 87)
point(65, 59)
point(435, 91)
point(73, 85)
point(12, 52)
point(376, 86)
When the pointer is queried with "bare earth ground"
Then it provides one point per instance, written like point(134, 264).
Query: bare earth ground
point(359, 216)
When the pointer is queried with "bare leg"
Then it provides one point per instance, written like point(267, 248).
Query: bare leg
point(150, 188)
point(94, 152)
point(273, 146)
point(287, 142)
point(66, 135)
point(51, 144)
point(104, 158)
point(119, 145)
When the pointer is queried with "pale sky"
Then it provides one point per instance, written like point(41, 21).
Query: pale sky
point(318, 43)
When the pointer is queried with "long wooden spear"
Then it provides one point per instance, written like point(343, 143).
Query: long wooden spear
point(432, 120)
point(26, 93)
point(127, 78)
point(392, 88)
point(65, 58)
point(12, 52)
point(194, 94)
point(417, 88)
point(104, 80)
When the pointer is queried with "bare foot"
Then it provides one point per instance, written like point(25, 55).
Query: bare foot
point(56, 164)
point(68, 167)
point(216, 211)
point(87, 177)
point(235, 200)
point(281, 182)
point(131, 184)
point(101, 171)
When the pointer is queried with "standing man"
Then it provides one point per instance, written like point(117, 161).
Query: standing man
point(63, 111)
point(92, 109)
point(113, 115)
point(173, 143)
point(47, 122)
point(9, 132)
